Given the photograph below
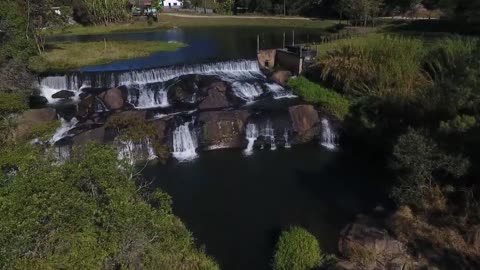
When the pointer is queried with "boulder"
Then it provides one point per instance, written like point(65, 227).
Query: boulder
point(92, 135)
point(31, 118)
point(64, 94)
point(126, 117)
point(183, 91)
point(37, 101)
point(281, 77)
point(113, 99)
point(216, 97)
point(473, 237)
point(223, 129)
point(304, 122)
point(366, 246)
point(86, 107)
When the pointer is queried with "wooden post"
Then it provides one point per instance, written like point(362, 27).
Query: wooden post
point(283, 40)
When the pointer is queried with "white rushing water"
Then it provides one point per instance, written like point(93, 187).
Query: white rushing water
point(149, 98)
point(269, 133)
point(251, 135)
point(329, 138)
point(285, 136)
point(247, 91)
point(184, 143)
point(279, 91)
point(133, 152)
point(63, 130)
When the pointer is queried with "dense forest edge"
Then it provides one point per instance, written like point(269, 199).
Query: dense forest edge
point(406, 91)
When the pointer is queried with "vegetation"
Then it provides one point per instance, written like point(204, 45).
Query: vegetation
point(67, 56)
point(328, 100)
point(88, 214)
point(297, 249)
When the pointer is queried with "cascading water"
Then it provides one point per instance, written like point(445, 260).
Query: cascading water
point(50, 85)
point(63, 130)
point(285, 136)
point(133, 152)
point(148, 98)
point(329, 138)
point(184, 143)
point(279, 91)
point(251, 135)
point(247, 91)
point(269, 133)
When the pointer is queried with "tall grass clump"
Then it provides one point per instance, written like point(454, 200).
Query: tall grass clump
point(449, 54)
point(330, 101)
point(376, 65)
point(106, 12)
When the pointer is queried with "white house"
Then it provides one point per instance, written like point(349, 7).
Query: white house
point(172, 3)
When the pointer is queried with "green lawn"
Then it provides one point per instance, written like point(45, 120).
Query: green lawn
point(168, 21)
point(69, 56)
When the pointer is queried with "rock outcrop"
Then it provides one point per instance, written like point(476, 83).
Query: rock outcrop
point(216, 97)
point(224, 129)
point(305, 122)
point(113, 99)
point(64, 94)
point(281, 77)
point(92, 135)
point(366, 246)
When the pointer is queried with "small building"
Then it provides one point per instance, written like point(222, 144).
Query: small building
point(172, 3)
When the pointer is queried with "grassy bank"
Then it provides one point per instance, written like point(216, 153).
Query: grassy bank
point(68, 56)
point(168, 21)
point(330, 101)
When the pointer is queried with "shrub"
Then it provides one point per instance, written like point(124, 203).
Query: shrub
point(376, 65)
point(297, 249)
point(11, 103)
point(461, 124)
point(330, 101)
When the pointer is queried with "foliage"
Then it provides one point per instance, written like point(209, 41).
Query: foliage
point(419, 161)
point(297, 249)
point(106, 12)
point(460, 124)
point(67, 56)
point(377, 65)
point(330, 101)
point(43, 131)
point(88, 214)
point(11, 103)
point(224, 6)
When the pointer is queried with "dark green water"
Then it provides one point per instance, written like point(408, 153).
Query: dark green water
point(236, 206)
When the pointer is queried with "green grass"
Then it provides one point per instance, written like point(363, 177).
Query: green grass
point(167, 22)
point(69, 56)
point(330, 101)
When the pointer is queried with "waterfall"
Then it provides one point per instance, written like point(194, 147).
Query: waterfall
point(148, 98)
point(184, 143)
point(247, 91)
point(63, 130)
point(329, 137)
point(279, 91)
point(285, 136)
point(133, 152)
point(229, 71)
point(269, 133)
point(252, 135)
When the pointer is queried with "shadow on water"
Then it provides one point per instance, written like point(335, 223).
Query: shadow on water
point(236, 206)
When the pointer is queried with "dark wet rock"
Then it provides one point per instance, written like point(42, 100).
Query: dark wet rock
point(473, 237)
point(305, 122)
point(365, 245)
point(184, 91)
point(64, 94)
point(92, 135)
point(37, 101)
point(86, 107)
point(216, 97)
point(223, 129)
point(281, 77)
point(33, 117)
point(113, 99)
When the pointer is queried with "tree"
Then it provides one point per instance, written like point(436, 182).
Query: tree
point(420, 165)
point(341, 6)
point(363, 10)
point(297, 249)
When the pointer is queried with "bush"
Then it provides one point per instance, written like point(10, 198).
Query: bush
point(297, 249)
point(330, 101)
point(376, 65)
point(11, 103)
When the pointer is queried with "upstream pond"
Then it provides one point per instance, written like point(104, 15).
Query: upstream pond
point(236, 203)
